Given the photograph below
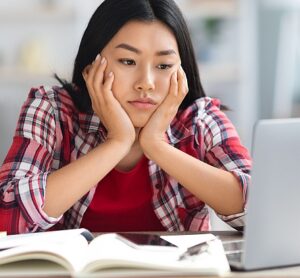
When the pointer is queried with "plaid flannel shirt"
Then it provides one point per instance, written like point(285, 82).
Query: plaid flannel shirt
point(51, 133)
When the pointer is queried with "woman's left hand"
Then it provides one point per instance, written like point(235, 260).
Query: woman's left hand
point(154, 131)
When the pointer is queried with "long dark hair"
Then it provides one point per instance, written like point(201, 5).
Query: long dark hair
point(108, 19)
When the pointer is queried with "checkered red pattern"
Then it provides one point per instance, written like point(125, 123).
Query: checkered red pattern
point(51, 133)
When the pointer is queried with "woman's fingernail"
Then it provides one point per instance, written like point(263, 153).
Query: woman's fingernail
point(97, 57)
point(103, 60)
point(110, 74)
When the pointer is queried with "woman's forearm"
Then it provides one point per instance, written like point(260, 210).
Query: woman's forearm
point(68, 184)
point(216, 187)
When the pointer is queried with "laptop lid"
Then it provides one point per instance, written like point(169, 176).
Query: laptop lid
point(272, 233)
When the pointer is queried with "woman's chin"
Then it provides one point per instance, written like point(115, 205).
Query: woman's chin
point(139, 125)
point(140, 122)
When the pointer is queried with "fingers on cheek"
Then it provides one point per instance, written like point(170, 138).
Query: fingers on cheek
point(179, 83)
point(89, 70)
point(183, 83)
point(90, 76)
point(186, 83)
point(85, 72)
point(174, 84)
point(87, 76)
point(109, 81)
point(99, 74)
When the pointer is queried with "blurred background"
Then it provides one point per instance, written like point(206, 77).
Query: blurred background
point(247, 50)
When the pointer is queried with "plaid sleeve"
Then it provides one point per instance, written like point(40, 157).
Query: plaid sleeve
point(224, 150)
point(25, 169)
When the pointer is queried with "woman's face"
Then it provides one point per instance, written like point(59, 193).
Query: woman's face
point(142, 56)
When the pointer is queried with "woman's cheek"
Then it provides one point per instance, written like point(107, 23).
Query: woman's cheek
point(120, 86)
point(163, 86)
point(117, 79)
point(115, 86)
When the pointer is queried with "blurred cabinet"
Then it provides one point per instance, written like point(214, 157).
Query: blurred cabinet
point(37, 36)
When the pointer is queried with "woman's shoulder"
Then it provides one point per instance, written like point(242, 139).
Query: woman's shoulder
point(56, 100)
point(199, 109)
point(206, 103)
point(56, 96)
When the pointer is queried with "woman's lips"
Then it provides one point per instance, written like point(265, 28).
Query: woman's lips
point(143, 103)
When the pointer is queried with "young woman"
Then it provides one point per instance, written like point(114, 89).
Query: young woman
point(132, 143)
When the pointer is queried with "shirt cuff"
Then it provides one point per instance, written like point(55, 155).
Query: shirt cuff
point(31, 195)
point(236, 221)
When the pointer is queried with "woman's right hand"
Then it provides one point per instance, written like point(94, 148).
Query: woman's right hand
point(105, 105)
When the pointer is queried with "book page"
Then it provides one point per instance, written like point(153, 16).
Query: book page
point(111, 250)
point(33, 268)
point(70, 254)
point(51, 236)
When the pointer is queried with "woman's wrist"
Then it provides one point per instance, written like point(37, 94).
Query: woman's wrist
point(120, 145)
point(152, 146)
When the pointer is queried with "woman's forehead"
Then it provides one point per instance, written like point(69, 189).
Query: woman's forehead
point(151, 34)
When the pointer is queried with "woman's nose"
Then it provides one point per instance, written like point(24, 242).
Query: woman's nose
point(145, 81)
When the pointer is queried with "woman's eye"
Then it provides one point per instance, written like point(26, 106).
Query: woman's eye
point(164, 66)
point(127, 62)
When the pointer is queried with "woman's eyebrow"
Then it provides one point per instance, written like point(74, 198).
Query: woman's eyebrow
point(166, 52)
point(137, 51)
point(129, 47)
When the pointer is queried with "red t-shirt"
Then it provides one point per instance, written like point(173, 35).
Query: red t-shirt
point(123, 202)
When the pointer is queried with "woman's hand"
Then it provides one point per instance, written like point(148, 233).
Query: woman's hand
point(154, 131)
point(105, 105)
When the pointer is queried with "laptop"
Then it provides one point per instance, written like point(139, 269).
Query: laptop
point(272, 231)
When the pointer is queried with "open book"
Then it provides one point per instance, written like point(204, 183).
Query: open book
point(76, 253)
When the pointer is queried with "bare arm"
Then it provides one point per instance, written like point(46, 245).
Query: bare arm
point(216, 187)
point(83, 174)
